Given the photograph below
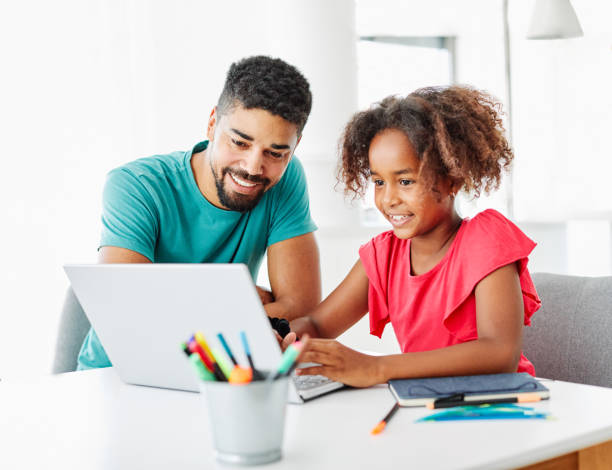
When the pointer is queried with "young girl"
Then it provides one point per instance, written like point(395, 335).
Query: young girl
point(457, 291)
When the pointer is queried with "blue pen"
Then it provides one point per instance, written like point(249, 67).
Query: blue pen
point(227, 348)
point(486, 412)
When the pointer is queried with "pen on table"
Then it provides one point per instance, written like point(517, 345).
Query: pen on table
point(524, 398)
point(500, 411)
point(247, 351)
point(380, 426)
point(288, 359)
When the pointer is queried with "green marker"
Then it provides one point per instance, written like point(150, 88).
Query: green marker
point(287, 361)
point(203, 373)
point(224, 364)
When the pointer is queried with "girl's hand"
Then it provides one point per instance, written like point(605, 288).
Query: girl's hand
point(340, 363)
point(283, 343)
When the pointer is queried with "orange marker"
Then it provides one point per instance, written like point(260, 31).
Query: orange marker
point(380, 426)
point(241, 375)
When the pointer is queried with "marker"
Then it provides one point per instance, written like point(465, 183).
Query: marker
point(220, 359)
point(241, 375)
point(199, 338)
point(227, 348)
point(247, 351)
point(524, 398)
point(288, 359)
point(380, 426)
point(208, 361)
point(203, 373)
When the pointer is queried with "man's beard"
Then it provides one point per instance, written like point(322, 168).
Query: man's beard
point(235, 201)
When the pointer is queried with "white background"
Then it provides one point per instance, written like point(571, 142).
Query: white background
point(88, 85)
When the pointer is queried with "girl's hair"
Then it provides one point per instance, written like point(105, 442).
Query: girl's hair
point(456, 131)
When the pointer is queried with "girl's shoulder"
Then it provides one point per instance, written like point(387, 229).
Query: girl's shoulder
point(490, 228)
point(383, 239)
point(382, 245)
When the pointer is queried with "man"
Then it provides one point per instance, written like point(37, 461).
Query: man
point(228, 199)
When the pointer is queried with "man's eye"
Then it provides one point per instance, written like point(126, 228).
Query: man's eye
point(406, 182)
point(275, 154)
point(238, 143)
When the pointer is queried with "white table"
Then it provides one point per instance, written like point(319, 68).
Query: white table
point(91, 420)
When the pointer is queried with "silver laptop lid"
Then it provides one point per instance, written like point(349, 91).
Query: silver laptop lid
point(142, 313)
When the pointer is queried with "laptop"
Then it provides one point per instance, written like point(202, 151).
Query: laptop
point(142, 313)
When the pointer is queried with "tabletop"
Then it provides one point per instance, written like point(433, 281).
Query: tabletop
point(92, 420)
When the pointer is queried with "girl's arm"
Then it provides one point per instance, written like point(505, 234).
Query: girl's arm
point(340, 310)
point(499, 315)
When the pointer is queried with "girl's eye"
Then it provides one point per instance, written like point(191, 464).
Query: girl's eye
point(406, 182)
point(378, 182)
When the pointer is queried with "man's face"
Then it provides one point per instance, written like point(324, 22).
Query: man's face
point(248, 152)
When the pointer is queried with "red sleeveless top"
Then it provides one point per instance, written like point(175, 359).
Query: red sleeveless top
point(438, 308)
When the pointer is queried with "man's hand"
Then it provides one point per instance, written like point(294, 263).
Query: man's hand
point(340, 363)
point(265, 295)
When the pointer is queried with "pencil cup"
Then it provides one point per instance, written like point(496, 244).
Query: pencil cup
point(246, 421)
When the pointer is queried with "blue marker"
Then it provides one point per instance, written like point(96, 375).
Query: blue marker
point(247, 351)
point(227, 348)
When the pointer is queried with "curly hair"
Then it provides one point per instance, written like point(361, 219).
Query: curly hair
point(266, 83)
point(456, 131)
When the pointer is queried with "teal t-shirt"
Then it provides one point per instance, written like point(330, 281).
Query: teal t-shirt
point(153, 206)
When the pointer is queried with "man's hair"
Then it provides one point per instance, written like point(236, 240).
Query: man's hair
point(266, 83)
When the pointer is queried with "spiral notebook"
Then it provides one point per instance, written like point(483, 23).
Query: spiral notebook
point(420, 392)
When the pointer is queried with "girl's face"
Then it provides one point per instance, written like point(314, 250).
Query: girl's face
point(413, 209)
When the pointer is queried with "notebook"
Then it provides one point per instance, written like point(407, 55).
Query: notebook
point(142, 313)
point(420, 392)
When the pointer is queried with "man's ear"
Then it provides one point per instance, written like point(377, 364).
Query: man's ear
point(297, 143)
point(212, 124)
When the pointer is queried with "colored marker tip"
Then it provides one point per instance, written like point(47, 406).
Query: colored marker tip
point(379, 428)
point(241, 375)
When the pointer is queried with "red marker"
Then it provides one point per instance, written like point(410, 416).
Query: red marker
point(194, 346)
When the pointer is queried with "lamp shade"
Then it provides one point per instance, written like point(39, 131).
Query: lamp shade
point(553, 19)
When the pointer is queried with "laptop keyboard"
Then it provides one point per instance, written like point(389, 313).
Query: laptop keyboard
point(306, 382)
point(311, 386)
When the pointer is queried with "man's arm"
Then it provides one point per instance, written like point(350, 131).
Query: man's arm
point(295, 278)
point(114, 254)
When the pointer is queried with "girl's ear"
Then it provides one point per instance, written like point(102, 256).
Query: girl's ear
point(455, 187)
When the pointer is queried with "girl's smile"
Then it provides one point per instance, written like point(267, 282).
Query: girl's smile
point(398, 220)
